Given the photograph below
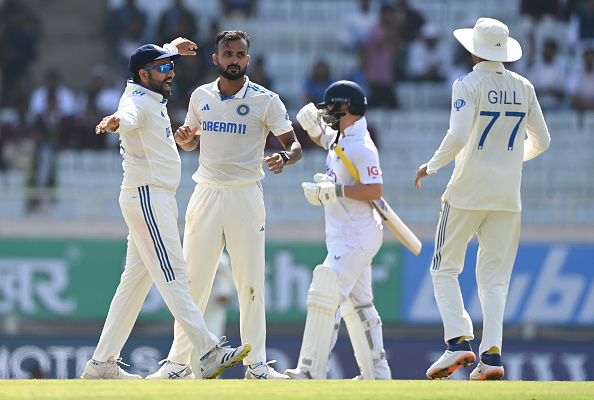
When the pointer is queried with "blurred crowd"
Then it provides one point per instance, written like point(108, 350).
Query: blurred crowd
point(391, 41)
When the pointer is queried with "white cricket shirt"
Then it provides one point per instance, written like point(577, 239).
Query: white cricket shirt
point(498, 123)
point(348, 221)
point(233, 131)
point(146, 140)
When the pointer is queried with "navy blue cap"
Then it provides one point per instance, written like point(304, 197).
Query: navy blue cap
point(148, 53)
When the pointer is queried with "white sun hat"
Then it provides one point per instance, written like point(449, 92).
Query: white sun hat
point(489, 39)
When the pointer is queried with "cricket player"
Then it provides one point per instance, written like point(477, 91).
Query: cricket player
point(341, 285)
point(496, 124)
point(152, 172)
point(231, 118)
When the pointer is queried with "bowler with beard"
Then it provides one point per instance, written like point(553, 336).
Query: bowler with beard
point(152, 173)
point(231, 119)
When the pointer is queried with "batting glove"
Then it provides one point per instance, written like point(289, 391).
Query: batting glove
point(322, 193)
point(308, 119)
point(319, 178)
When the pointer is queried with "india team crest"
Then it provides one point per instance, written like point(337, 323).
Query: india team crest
point(243, 109)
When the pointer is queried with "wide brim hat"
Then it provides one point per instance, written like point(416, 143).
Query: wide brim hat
point(489, 39)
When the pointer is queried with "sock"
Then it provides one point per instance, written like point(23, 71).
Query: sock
point(492, 350)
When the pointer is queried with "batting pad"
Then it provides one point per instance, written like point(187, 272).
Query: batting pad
point(359, 328)
point(322, 303)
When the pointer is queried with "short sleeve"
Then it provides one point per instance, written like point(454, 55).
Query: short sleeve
point(366, 162)
point(277, 117)
point(192, 117)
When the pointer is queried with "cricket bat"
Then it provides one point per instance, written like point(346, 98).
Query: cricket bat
point(390, 218)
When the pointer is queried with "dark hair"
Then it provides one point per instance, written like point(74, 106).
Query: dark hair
point(227, 36)
point(136, 78)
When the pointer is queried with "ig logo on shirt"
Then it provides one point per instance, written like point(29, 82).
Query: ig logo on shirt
point(243, 110)
point(458, 104)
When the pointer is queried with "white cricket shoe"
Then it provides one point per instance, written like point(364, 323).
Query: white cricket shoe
point(107, 370)
point(489, 369)
point(456, 356)
point(263, 371)
point(222, 357)
point(298, 374)
point(382, 372)
point(171, 370)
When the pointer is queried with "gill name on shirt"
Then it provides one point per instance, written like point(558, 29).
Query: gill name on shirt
point(220, 126)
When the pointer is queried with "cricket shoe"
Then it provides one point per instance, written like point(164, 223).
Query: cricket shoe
point(107, 370)
point(298, 373)
point(381, 372)
point(222, 357)
point(489, 369)
point(171, 370)
point(263, 371)
point(457, 355)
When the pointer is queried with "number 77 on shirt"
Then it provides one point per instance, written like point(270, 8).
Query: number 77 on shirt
point(390, 218)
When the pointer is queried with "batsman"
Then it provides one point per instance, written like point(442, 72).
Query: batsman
point(341, 285)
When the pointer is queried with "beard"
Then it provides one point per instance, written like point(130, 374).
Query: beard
point(224, 72)
point(160, 87)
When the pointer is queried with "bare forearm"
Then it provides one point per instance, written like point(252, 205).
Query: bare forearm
point(364, 192)
point(294, 152)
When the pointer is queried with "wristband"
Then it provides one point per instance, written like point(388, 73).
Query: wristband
point(285, 156)
point(339, 189)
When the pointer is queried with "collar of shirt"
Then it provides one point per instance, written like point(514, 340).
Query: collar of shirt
point(490, 66)
point(241, 94)
point(133, 86)
point(359, 128)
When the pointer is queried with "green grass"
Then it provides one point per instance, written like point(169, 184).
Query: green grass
point(287, 390)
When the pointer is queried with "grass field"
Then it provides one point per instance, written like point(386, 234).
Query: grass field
point(330, 389)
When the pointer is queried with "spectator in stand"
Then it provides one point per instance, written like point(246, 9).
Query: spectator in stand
point(238, 9)
point(410, 22)
point(16, 139)
point(48, 127)
point(462, 66)
point(177, 21)
point(581, 83)
point(64, 97)
point(17, 51)
point(357, 74)
point(132, 38)
point(259, 75)
point(536, 14)
point(118, 19)
point(429, 58)
point(98, 100)
point(357, 25)
point(581, 24)
point(548, 74)
point(316, 84)
point(190, 73)
point(380, 51)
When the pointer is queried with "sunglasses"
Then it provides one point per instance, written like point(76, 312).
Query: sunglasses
point(164, 68)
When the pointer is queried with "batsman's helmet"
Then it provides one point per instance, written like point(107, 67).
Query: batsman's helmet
point(339, 93)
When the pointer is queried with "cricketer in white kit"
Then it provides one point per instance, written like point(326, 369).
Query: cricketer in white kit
point(496, 124)
point(152, 172)
point(341, 285)
point(231, 119)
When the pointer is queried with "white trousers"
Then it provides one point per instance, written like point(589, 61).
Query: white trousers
point(498, 234)
point(235, 216)
point(353, 267)
point(154, 255)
